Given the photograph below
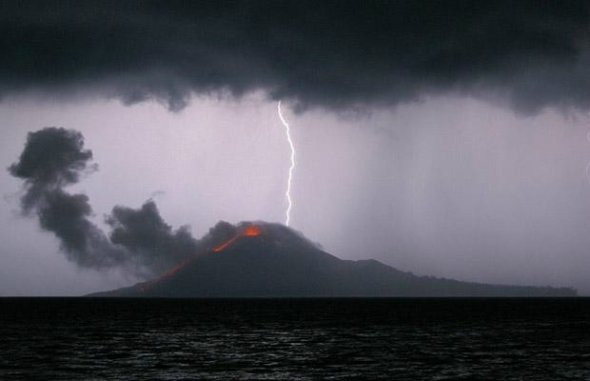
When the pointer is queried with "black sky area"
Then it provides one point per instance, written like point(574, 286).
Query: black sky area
point(330, 54)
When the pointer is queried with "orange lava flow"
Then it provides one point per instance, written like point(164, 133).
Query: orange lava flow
point(219, 248)
point(175, 269)
point(168, 274)
point(249, 231)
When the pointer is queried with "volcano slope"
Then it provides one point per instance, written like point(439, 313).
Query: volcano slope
point(271, 260)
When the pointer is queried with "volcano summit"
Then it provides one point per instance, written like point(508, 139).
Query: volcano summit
point(259, 259)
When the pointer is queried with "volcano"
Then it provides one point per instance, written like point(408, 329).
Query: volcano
point(259, 259)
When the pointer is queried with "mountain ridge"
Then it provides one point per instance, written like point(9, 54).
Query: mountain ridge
point(260, 259)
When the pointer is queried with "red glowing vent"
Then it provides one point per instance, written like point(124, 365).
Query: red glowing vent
point(248, 231)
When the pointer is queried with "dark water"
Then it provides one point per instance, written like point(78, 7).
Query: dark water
point(395, 339)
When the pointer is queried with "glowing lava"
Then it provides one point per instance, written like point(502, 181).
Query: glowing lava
point(251, 231)
point(248, 231)
point(291, 168)
point(168, 274)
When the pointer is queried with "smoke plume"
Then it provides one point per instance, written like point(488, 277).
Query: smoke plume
point(149, 238)
point(52, 159)
point(140, 241)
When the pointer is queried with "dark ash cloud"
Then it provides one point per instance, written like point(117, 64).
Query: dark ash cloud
point(140, 240)
point(221, 232)
point(53, 158)
point(145, 234)
point(332, 54)
point(67, 216)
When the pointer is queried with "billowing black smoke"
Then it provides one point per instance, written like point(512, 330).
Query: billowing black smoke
point(147, 236)
point(52, 159)
point(141, 241)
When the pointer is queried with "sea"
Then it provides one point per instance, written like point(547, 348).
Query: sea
point(294, 339)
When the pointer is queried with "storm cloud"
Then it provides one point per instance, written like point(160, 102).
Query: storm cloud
point(140, 241)
point(331, 54)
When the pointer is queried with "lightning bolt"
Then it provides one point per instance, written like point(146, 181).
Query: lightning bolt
point(291, 168)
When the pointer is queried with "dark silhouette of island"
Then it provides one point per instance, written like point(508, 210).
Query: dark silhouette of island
point(271, 260)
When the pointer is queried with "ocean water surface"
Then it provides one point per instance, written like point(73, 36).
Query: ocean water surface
point(394, 339)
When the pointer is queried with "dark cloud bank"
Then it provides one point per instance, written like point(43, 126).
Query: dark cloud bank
point(332, 54)
point(139, 240)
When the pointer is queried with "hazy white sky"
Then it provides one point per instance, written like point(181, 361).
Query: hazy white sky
point(451, 187)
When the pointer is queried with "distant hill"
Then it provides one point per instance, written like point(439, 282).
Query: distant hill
point(270, 260)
